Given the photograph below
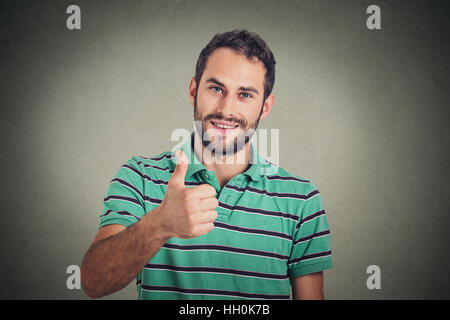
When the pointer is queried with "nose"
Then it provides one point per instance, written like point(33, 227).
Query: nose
point(227, 106)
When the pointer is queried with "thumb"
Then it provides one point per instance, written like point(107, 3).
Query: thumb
point(179, 173)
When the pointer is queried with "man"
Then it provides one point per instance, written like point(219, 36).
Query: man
point(214, 220)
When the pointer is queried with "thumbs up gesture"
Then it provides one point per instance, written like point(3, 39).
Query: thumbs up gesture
point(187, 213)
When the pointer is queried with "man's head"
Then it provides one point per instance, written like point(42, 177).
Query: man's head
point(233, 84)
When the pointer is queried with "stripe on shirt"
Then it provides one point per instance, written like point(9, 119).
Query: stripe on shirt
point(156, 167)
point(274, 194)
point(123, 213)
point(158, 181)
point(128, 185)
point(311, 256)
point(252, 231)
point(310, 217)
point(259, 211)
point(312, 236)
point(128, 199)
point(193, 291)
point(208, 247)
point(167, 156)
point(287, 179)
point(245, 273)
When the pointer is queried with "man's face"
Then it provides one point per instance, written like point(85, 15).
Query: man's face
point(228, 102)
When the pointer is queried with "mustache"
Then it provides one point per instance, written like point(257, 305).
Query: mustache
point(218, 116)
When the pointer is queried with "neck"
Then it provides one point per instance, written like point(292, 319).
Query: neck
point(225, 167)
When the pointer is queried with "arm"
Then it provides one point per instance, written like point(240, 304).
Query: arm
point(118, 254)
point(308, 287)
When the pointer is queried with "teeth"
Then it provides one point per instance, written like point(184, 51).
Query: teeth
point(224, 126)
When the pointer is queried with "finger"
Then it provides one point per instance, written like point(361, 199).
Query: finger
point(203, 191)
point(204, 228)
point(208, 204)
point(179, 174)
point(205, 217)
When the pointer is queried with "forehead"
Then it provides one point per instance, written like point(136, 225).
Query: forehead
point(234, 69)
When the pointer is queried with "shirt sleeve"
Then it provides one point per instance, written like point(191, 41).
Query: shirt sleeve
point(124, 200)
point(311, 247)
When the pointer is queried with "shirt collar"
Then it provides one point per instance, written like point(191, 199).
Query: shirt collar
point(258, 169)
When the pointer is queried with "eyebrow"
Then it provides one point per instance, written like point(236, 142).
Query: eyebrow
point(214, 80)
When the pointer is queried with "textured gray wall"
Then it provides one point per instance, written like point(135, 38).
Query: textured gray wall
point(362, 113)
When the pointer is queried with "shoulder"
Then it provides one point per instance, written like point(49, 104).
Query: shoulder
point(159, 162)
point(285, 181)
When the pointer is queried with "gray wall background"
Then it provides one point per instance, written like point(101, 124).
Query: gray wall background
point(362, 113)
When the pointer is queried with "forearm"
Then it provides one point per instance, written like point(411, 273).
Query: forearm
point(308, 287)
point(112, 263)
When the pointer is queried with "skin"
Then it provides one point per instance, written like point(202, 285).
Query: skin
point(308, 287)
point(231, 89)
point(228, 101)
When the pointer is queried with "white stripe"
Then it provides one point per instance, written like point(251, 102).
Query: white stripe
point(148, 178)
point(142, 157)
point(320, 215)
point(206, 294)
point(278, 179)
point(262, 214)
point(293, 263)
point(318, 237)
point(123, 200)
point(121, 214)
point(219, 273)
point(269, 196)
point(254, 234)
point(156, 203)
point(134, 191)
point(241, 253)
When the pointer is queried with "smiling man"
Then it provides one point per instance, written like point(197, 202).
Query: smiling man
point(214, 220)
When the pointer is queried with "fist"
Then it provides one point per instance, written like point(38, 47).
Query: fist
point(187, 213)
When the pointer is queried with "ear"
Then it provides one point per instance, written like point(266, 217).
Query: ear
point(267, 106)
point(192, 89)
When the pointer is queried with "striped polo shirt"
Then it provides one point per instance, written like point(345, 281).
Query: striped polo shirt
point(271, 227)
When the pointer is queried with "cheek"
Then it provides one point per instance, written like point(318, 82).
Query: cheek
point(206, 96)
point(254, 114)
point(206, 103)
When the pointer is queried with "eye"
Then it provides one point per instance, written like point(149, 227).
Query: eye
point(246, 95)
point(216, 89)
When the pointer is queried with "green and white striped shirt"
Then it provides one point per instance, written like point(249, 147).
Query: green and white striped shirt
point(271, 227)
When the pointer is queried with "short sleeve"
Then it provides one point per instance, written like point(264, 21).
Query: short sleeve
point(311, 247)
point(124, 200)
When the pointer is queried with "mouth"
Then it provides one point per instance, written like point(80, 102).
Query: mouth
point(224, 126)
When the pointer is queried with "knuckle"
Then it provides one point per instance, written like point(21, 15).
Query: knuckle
point(188, 210)
point(195, 231)
point(186, 196)
point(190, 222)
point(191, 207)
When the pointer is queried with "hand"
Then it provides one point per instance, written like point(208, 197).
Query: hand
point(187, 213)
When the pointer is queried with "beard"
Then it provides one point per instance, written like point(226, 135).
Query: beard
point(218, 144)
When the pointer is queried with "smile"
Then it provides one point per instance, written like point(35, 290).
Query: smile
point(223, 125)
